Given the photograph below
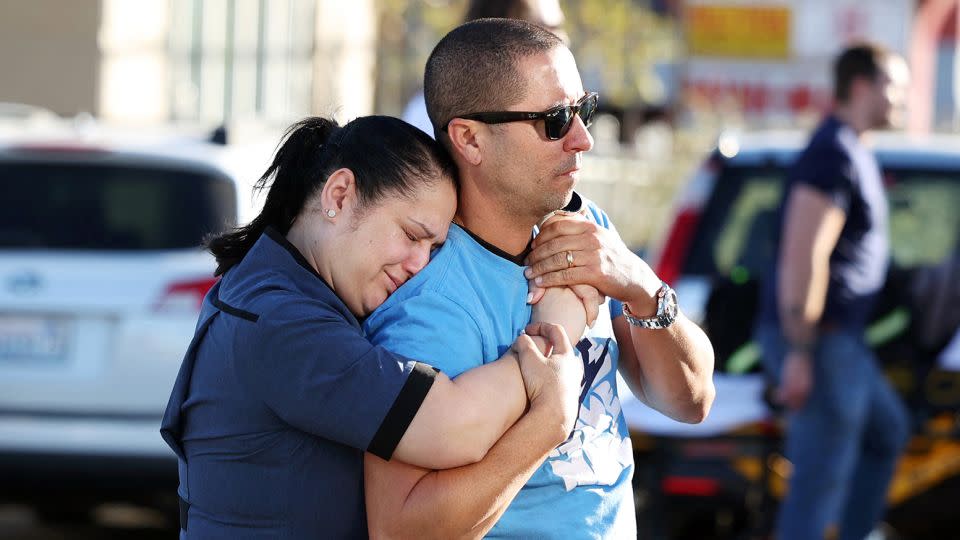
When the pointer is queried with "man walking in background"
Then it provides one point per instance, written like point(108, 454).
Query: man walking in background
point(847, 425)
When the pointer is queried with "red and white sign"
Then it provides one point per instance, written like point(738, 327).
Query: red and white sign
point(743, 66)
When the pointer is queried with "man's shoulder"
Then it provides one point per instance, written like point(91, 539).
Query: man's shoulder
point(830, 142)
point(824, 154)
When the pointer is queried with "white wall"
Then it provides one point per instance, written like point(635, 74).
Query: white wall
point(49, 55)
point(345, 58)
point(134, 72)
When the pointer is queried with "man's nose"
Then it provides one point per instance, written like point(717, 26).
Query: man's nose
point(578, 139)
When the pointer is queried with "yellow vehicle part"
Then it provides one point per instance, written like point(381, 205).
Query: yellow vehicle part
point(930, 459)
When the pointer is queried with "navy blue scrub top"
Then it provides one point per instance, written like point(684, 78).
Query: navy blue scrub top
point(277, 398)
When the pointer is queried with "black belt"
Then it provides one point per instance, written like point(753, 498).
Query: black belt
point(184, 512)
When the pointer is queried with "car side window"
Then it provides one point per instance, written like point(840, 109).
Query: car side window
point(924, 222)
point(747, 240)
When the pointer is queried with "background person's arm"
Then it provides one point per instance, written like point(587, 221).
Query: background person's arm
point(812, 227)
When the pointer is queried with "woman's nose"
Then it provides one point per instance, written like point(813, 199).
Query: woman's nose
point(417, 260)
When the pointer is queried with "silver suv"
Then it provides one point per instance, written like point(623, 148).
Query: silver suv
point(101, 279)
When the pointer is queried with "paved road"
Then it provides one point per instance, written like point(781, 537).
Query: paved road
point(110, 522)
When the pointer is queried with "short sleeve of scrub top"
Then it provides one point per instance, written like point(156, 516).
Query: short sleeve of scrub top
point(318, 373)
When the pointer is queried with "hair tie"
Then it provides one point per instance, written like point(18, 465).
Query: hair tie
point(340, 134)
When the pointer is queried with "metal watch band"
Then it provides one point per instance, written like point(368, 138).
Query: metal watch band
point(654, 323)
point(661, 320)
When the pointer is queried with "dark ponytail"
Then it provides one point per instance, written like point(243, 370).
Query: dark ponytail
point(387, 156)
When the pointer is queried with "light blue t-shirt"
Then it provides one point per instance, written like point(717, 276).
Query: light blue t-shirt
point(465, 309)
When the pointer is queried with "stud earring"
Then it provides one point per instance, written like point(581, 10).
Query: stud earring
point(331, 213)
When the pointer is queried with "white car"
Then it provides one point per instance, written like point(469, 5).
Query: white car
point(101, 279)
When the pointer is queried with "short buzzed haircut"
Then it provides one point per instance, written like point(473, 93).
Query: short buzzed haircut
point(475, 68)
point(862, 60)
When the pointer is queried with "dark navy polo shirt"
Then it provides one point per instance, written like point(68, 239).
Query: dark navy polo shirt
point(277, 398)
point(838, 166)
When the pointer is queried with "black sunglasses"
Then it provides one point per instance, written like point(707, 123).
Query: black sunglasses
point(556, 121)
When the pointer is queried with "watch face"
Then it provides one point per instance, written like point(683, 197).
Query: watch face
point(671, 308)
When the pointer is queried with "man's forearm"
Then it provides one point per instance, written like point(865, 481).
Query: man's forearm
point(670, 369)
point(462, 502)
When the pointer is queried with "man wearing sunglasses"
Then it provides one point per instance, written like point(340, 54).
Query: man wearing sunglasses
point(556, 120)
point(506, 100)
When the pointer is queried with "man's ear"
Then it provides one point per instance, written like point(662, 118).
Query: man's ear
point(339, 192)
point(465, 140)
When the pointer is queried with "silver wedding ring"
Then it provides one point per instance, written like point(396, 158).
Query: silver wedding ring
point(569, 259)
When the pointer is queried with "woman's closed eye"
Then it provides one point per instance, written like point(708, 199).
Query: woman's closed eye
point(414, 238)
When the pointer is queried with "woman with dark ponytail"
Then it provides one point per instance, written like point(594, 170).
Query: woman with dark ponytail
point(294, 175)
point(280, 393)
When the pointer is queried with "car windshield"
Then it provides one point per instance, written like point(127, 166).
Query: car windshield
point(738, 229)
point(83, 206)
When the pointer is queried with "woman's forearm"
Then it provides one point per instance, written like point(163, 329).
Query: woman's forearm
point(560, 305)
point(461, 418)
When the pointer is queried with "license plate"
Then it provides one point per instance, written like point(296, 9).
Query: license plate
point(31, 339)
